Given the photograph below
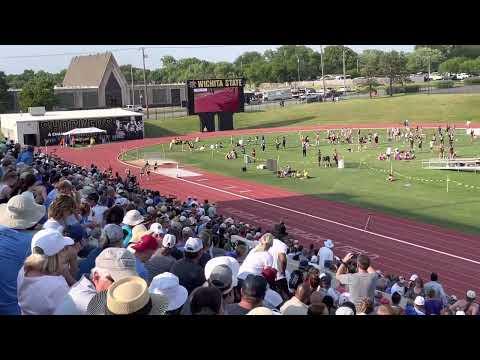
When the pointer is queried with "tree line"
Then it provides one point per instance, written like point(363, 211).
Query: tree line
point(287, 63)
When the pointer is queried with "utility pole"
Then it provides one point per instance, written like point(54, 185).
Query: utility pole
point(344, 80)
point(145, 82)
point(357, 65)
point(429, 63)
point(323, 75)
point(133, 88)
point(298, 68)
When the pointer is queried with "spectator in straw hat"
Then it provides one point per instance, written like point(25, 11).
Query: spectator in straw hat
point(132, 218)
point(42, 281)
point(187, 269)
point(17, 219)
point(128, 296)
point(111, 265)
point(168, 285)
point(467, 305)
point(385, 310)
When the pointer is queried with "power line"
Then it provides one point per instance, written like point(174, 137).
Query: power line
point(117, 50)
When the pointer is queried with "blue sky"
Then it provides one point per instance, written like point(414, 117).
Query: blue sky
point(15, 59)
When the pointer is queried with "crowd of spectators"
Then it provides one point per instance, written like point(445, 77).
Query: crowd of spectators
point(86, 241)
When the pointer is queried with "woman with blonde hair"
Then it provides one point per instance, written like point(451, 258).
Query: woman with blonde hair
point(258, 258)
point(41, 282)
point(58, 212)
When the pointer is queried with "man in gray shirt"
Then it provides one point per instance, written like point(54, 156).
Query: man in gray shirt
point(360, 284)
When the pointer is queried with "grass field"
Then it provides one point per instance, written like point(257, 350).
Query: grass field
point(440, 108)
point(417, 193)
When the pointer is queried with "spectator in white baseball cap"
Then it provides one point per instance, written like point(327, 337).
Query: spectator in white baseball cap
point(41, 282)
point(467, 305)
point(162, 260)
point(111, 265)
point(168, 285)
point(187, 269)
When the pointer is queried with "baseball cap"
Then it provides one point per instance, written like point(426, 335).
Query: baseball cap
point(147, 242)
point(193, 245)
point(156, 229)
point(119, 262)
point(50, 241)
point(460, 312)
point(254, 286)
point(149, 202)
point(419, 300)
point(221, 277)
point(169, 241)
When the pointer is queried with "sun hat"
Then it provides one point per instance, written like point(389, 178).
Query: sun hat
point(146, 242)
point(314, 259)
point(132, 218)
point(169, 241)
point(137, 232)
point(128, 296)
point(151, 210)
point(193, 245)
point(183, 218)
point(419, 301)
point(223, 260)
point(206, 219)
point(229, 221)
point(149, 202)
point(471, 294)
point(119, 262)
point(262, 310)
point(50, 241)
point(21, 212)
point(328, 243)
point(163, 209)
point(156, 229)
point(460, 312)
point(168, 284)
point(344, 310)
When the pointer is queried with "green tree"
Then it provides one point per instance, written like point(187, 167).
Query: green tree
point(16, 81)
point(4, 97)
point(471, 66)
point(333, 59)
point(38, 92)
point(394, 66)
point(451, 65)
point(370, 68)
point(418, 60)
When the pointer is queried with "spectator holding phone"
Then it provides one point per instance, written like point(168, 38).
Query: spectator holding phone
point(360, 284)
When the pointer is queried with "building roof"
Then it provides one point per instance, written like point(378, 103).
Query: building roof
point(69, 115)
point(87, 70)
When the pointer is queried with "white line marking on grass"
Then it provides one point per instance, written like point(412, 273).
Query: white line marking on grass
point(320, 218)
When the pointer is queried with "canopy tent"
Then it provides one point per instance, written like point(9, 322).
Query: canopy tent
point(84, 131)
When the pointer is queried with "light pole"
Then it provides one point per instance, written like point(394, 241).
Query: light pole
point(298, 68)
point(323, 75)
point(145, 81)
point(344, 80)
point(133, 88)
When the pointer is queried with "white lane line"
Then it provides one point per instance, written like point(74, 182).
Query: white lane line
point(202, 180)
point(229, 187)
point(321, 219)
point(244, 191)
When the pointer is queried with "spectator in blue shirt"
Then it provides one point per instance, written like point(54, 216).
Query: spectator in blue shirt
point(26, 156)
point(433, 305)
point(20, 215)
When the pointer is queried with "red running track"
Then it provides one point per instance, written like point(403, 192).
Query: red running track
point(396, 245)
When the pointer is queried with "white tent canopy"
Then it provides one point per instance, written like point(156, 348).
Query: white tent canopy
point(84, 131)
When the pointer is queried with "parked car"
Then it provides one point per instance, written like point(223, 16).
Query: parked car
point(136, 108)
point(435, 77)
point(462, 76)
